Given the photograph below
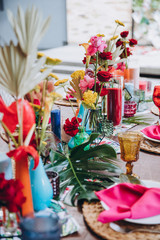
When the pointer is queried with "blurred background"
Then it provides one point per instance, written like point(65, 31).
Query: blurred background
point(74, 21)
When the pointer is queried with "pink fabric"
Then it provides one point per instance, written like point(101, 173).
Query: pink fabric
point(127, 200)
point(152, 132)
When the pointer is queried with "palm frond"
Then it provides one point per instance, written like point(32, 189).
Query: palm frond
point(19, 74)
point(29, 28)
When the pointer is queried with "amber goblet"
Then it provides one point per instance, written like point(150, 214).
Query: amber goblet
point(130, 146)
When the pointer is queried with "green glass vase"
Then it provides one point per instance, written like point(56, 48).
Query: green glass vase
point(81, 137)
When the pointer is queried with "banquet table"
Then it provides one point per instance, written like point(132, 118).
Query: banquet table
point(147, 168)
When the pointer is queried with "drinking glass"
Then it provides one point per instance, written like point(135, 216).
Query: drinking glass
point(129, 146)
point(130, 108)
point(114, 99)
point(156, 98)
point(41, 228)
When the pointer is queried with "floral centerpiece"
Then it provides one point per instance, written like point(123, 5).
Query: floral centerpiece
point(101, 58)
point(20, 73)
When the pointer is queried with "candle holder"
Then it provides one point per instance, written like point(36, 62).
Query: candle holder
point(54, 180)
point(41, 227)
point(130, 108)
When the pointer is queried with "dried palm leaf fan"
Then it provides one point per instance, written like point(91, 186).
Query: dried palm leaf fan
point(20, 69)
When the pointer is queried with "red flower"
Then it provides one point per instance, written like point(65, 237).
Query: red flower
point(106, 55)
point(10, 117)
point(104, 76)
point(123, 54)
point(11, 195)
point(22, 153)
point(132, 42)
point(124, 34)
point(104, 91)
point(71, 127)
point(84, 60)
point(119, 43)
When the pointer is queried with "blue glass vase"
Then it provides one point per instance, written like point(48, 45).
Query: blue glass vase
point(42, 191)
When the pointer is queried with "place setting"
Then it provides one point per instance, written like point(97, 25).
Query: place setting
point(151, 133)
point(125, 209)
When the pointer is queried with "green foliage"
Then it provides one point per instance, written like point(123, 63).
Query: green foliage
point(137, 120)
point(85, 170)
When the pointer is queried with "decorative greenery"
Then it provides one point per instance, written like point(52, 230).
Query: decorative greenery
point(85, 170)
point(137, 120)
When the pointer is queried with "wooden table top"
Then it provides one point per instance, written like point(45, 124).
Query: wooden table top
point(147, 167)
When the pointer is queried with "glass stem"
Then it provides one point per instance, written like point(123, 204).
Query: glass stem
point(129, 167)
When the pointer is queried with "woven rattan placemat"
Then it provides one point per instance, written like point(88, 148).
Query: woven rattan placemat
point(150, 146)
point(91, 212)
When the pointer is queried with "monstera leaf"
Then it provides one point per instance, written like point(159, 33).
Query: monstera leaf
point(85, 171)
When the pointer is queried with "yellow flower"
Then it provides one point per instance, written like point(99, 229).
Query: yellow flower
point(51, 74)
point(43, 69)
point(44, 143)
point(85, 45)
point(100, 35)
point(125, 41)
point(54, 96)
point(79, 74)
point(120, 23)
point(114, 37)
point(89, 98)
point(52, 61)
point(61, 82)
point(49, 60)
point(39, 55)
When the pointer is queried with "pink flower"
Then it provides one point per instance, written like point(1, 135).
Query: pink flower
point(121, 66)
point(97, 44)
point(86, 83)
point(89, 72)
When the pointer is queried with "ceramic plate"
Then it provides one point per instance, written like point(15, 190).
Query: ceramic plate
point(150, 220)
point(151, 139)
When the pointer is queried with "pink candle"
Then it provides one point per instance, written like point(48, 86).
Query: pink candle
point(143, 85)
point(114, 105)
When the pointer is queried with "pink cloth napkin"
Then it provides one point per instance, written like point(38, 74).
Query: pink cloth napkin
point(152, 132)
point(127, 200)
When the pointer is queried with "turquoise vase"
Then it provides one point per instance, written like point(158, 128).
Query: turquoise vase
point(82, 115)
point(42, 191)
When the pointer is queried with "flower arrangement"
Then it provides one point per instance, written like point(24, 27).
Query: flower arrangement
point(101, 57)
point(21, 71)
